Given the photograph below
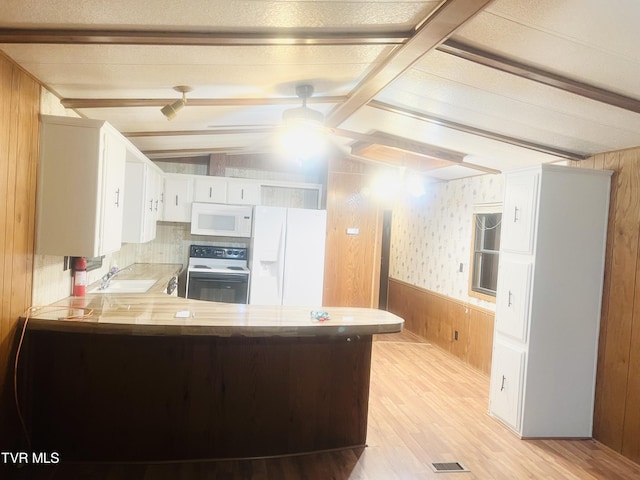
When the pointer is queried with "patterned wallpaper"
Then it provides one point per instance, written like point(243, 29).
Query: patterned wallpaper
point(431, 236)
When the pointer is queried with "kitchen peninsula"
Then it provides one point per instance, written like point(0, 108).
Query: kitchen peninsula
point(151, 377)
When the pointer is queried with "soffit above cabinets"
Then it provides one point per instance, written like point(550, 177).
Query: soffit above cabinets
point(505, 83)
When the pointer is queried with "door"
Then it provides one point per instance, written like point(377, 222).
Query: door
point(267, 255)
point(178, 196)
point(506, 383)
point(512, 298)
point(210, 189)
point(304, 257)
point(212, 287)
point(113, 170)
point(243, 193)
point(519, 213)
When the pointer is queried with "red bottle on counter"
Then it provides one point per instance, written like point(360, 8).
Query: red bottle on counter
point(79, 277)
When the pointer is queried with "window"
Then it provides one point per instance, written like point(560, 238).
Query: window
point(484, 262)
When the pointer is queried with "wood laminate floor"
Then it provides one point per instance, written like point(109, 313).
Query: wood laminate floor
point(425, 406)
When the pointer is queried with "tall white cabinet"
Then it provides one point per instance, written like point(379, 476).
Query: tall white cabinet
point(548, 300)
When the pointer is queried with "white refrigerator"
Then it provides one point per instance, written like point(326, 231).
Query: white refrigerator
point(287, 256)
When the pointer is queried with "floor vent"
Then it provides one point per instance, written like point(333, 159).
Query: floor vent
point(448, 467)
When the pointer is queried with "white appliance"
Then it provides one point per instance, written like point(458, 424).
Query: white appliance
point(287, 256)
point(221, 220)
point(218, 274)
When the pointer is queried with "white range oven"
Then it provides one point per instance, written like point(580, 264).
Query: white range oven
point(218, 274)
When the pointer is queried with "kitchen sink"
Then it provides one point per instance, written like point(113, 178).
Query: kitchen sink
point(125, 286)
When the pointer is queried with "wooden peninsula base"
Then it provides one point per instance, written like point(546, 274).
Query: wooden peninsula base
point(156, 398)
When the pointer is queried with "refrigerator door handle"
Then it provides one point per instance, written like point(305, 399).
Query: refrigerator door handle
point(281, 250)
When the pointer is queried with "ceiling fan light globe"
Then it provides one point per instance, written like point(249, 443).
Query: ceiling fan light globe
point(302, 115)
point(302, 142)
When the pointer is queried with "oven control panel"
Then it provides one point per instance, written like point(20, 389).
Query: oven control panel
point(210, 251)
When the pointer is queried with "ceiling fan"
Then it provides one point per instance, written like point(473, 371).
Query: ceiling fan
point(303, 115)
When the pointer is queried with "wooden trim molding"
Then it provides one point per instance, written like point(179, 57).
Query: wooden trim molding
point(529, 72)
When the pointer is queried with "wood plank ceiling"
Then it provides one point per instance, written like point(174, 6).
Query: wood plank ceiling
point(452, 88)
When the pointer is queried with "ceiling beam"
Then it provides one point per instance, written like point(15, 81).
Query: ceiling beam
point(556, 152)
point(212, 131)
point(504, 64)
point(192, 102)
point(440, 23)
point(280, 36)
point(388, 140)
point(186, 152)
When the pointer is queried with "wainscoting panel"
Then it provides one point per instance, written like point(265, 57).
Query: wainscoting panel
point(464, 330)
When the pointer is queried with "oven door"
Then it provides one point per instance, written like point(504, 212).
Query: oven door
point(218, 287)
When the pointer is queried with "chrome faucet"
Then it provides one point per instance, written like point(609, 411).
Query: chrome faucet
point(106, 279)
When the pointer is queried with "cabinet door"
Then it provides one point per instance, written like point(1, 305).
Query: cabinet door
point(159, 189)
point(150, 206)
point(505, 393)
point(519, 213)
point(115, 152)
point(512, 298)
point(178, 195)
point(243, 193)
point(210, 189)
point(133, 222)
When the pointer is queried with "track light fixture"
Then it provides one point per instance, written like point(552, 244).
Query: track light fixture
point(170, 110)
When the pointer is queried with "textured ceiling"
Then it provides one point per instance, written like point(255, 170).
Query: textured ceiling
point(507, 83)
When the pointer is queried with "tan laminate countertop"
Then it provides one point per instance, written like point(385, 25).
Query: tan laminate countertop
point(156, 313)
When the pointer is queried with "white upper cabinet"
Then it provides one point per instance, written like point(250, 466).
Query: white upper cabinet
point(142, 179)
point(210, 189)
point(178, 197)
point(519, 212)
point(80, 190)
point(243, 192)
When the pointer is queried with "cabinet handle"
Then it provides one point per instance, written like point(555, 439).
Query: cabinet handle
point(509, 302)
point(502, 386)
point(210, 192)
point(515, 215)
point(242, 194)
point(176, 200)
point(117, 197)
point(151, 205)
point(156, 205)
point(162, 197)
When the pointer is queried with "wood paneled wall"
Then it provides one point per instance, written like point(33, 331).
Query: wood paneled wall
point(437, 318)
point(352, 262)
point(19, 127)
point(617, 405)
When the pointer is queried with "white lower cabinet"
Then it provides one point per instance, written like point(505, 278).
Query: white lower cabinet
point(506, 383)
point(548, 300)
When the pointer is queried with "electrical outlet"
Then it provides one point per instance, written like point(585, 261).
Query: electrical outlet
point(455, 335)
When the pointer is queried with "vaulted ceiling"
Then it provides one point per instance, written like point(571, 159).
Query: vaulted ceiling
point(453, 87)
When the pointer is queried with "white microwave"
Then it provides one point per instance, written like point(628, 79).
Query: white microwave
point(221, 220)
